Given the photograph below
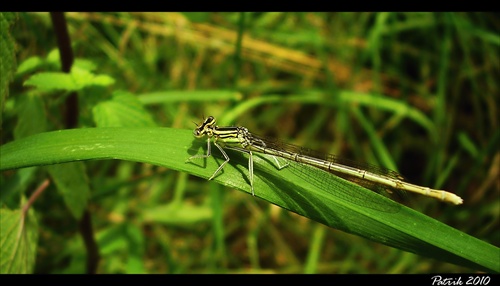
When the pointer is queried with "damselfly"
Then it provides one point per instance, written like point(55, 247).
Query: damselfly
point(240, 139)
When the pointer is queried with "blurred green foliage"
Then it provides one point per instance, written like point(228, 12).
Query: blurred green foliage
point(416, 92)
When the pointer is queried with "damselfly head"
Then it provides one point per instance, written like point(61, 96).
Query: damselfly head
point(205, 128)
point(210, 121)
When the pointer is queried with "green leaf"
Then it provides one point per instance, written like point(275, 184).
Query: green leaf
point(136, 246)
point(72, 182)
point(313, 194)
point(29, 65)
point(84, 78)
point(85, 64)
point(34, 63)
point(54, 57)
point(76, 80)
point(18, 239)
point(46, 81)
point(31, 116)
point(124, 110)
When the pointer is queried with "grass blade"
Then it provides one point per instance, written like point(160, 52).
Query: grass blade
point(374, 217)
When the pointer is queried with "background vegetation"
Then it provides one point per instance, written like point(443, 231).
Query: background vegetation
point(414, 92)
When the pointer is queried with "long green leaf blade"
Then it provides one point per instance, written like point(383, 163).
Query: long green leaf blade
point(358, 211)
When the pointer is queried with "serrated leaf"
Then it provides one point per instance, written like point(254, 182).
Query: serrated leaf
point(72, 183)
point(18, 240)
point(84, 78)
point(33, 63)
point(76, 80)
point(46, 81)
point(124, 110)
